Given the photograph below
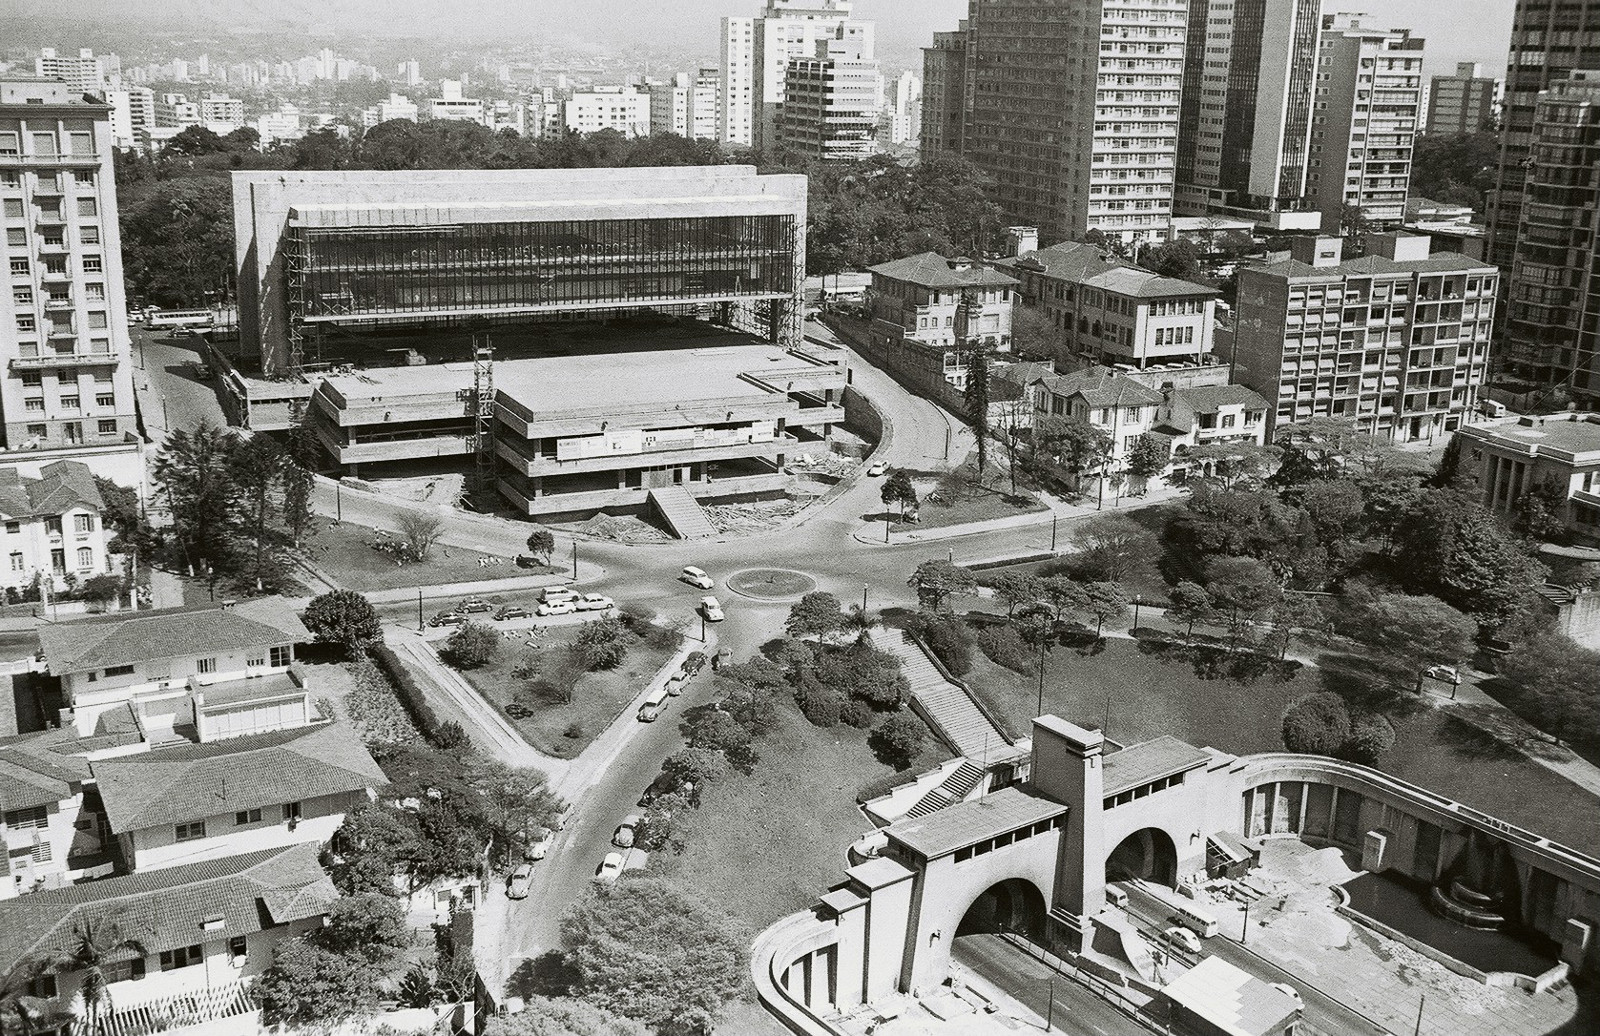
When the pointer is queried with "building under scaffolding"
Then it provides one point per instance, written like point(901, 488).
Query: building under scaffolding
point(320, 253)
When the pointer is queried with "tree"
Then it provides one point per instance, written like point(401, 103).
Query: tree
point(817, 614)
point(947, 636)
point(1411, 633)
point(511, 800)
point(645, 949)
point(1317, 725)
point(1243, 588)
point(1075, 445)
point(1295, 613)
point(860, 622)
point(820, 702)
point(1456, 169)
point(716, 731)
point(96, 941)
point(695, 766)
point(368, 925)
point(1015, 589)
point(1449, 546)
point(256, 467)
point(1370, 737)
point(1114, 546)
point(1104, 601)
point(1149, 457)
point(309, 985)
point(1015, 428)
point(542, 544)
point(374, 842)
point(564, 1016)
point(193, 471)
point(1065, 595)
point(123, 513)
point(420, 531)
point(898, 489)
point(1539, 514)
point(873, 676)
point(343, 617)
point(1558, 685)
point(1177, 259)
point(603, 643)
point(177, 241)
point(473, 645)
point(1034, 335)
point(976, 397)
point(1232, 465)
point(1189, 604)
point(299, 483)
point(898, 740)
point(937, 580)
point(1449, 467)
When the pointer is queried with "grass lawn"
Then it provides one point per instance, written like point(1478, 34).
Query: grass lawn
point(765, 844)
point(980, 506)
point(1153, 695)
point(564, 729)
point(343, 553)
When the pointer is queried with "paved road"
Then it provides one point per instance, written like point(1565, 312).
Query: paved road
point(170, 395)
point(1027, 981)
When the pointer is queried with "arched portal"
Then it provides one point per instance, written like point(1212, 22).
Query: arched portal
point(1147, 853)
point(1013, 905)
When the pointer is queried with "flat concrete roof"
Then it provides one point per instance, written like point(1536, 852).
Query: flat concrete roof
point(618, 381)
point(967, 823)
point(1149, 761)
point(1553, 436)
point(1237, 1003)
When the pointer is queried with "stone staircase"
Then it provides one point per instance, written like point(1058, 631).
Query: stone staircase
point(682, 513)
point(947, 706)
point(951, 790)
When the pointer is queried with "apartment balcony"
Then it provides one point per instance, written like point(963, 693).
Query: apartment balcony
point(65, 359)
point(704, 450)
point(15, 161)
point(57, 305)
point(50, 276)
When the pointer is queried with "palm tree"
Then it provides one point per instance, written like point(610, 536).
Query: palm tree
point(18, 1002)
point(95, 942)
point(861, 623)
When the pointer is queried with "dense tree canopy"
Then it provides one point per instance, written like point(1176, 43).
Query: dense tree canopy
point(1454, 169)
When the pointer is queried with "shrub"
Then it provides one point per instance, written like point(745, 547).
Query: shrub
point(1370, 737)
point(759, 673)
point(660, 638)
point(948, 637)
point(636, 617)
point(451, 735)
point(1004, 646)
point(857, 713)
point(820, 703)
point(601, 644)
point(898, 739)
point(574, 730)
point(343, 617)
point(406, 689)
point(473, 646)
point(1318, 725)
point(374, 707)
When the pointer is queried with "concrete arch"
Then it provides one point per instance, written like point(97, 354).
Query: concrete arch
point(1010, 905)
point(1148, 853)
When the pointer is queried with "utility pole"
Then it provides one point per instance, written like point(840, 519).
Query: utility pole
point(1244, 930)
point(1423, 1002)
point(1053, 517)
point(421, 626)
point(338, 501)
point(863, 599)
point(574, 559)
point(1138, 599)
point(1050, 1008)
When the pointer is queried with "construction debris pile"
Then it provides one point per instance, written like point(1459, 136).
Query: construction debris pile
point(755, 516)
point(622, 529)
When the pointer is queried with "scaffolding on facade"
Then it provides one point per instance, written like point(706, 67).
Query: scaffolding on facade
point(296, 261)
point(482, 412)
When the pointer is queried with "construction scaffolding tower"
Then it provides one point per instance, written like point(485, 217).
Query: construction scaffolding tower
point(482, 412)
point(296, 259)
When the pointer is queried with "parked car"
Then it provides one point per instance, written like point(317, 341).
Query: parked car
point(527, 561)
point(696, 577)
point(551, 594)
point(538, 846)
point(711, 608)
point(622, 838)
point(720, 659)
point(474, 606)
point(675, 683)
point(521, 878)
point(880, 468)
point(448, 619)
point(556, 608)
point(562, 817)
point(1447, 673)
point(512, 611)
point(594, 603)
point(695, 662)
point(1183, 938)
point(610, 869)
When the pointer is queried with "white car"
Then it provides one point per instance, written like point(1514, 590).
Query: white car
point(552, 594)
point(521, 878)
point(1289, 991)
point(538, 846)
point(711, 609)
point(610, 869)
point(594, 603)
point(880, 468)
point(556, 608)
point(1182, 937)
point(1447, 673)
point(696, 577)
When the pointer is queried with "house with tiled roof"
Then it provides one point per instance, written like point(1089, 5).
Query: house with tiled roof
point(52, 526)
point(1204, 414)
point(925, 312)
point(1122, 407)
point(46, 836)
point(206, 930)
point(178, 805)
point(1105, 311)
point(197, 673)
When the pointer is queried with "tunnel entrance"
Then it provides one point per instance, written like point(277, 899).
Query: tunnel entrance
point(1148, 854)
point(1013, 905)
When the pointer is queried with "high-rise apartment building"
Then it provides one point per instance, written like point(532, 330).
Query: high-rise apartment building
point(1548, 40)
point(83, 72)
point(686, 106)
point(831, 104)
point(221, 113)
point(1072, 108)
point(452, 104)
point(411, 73)
point(1245, 126)
point(65, 378)
point(625, 109)
point(756, 54)
point(944, 86)
point(1397, 340)
point(1462, 103)
point(902, 112)
point(705, 100)
point(1552, 335)
point(1366, 104)
point(133, 116)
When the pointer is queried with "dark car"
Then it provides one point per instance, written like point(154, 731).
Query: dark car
point(512, 611)
point(448, 619)
point(474, 605)
point(664, 784)
point(694, 663)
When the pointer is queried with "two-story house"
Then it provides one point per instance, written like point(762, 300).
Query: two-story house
point(181, 804)
point(1122, 407)
point(207, 931)
point(927, 310)
point(179, 670)
point(1206, 414)
point(47, 837)
point(52, 526)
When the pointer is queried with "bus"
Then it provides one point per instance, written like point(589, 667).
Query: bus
point(171, 318)
point(1180, 909)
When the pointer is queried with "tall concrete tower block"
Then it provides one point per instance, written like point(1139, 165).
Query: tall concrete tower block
point(1067, 767)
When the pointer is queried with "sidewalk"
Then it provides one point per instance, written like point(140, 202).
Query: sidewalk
point(871, 533)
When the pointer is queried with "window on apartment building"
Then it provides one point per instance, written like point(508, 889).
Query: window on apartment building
point(1135, 413)
point(124, 970)
point(1103, 416)
point(182, 957)
point(105, 399)
point(89, 235)
point(238, 948)
point(85, 558)
point(40, 853)
point(247, 816)
point(19, 267)
point(107, 427)
point(22, 296)
point(280, 656)
point(94, 292)
point(12, 528)
point(83, 523)
point(34, 817)
point(205, 665)
point(69, 402)
point(37, 431)
point(13, 208)
point(55, 265)
point(291, 812)
point(10, 144)
point(10, 179)
point(84, 177)
point(26, 322)
point(97, 319)
point(94, 264)
point(88, 207)
point(52, 525)
point(54, 237)
point(119, 670)
point(1227, 420)
point(189, 833)
point(80, 143)
point(16, 237)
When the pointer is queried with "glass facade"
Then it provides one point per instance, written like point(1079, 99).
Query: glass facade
point(353, 273)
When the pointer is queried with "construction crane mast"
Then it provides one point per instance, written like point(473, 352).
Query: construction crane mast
point(482, 412)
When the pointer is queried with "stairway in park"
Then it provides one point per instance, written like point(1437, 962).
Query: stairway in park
point(682, 513)
point(948, 792)
point(947, 706)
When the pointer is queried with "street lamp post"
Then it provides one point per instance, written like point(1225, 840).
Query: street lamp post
point(1040, 711)
point(1244, 929)
point(338, 502)
point(1138, 599)
point(421, 626)
point(1053, 517)
point(1050, 1008)
point(574, 559)
point(702, 628)
point(863, 598)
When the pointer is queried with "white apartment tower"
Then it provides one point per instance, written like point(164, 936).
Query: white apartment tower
point(669, 105)
point(756, 53)
point(1364, 120)
point(82, 72)
point(65, 378)
point(704, 103)
point(133, 115)
point(736, 108)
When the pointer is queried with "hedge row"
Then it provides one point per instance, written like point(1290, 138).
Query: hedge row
point(405, 686)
